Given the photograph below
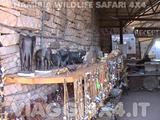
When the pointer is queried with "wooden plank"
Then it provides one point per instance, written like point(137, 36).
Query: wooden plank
point(70, 78)
point(37, 80)
point(75, 100)
point(65, 111)
point(80, 99)
point(85, 94)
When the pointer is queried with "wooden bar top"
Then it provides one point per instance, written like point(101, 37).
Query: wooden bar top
point(55, 79)
point(15, 79)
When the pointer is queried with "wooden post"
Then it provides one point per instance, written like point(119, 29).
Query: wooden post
point(75, 100)
point(80, 98)
point(121, 32)
point(85, 94)
point(66, 114)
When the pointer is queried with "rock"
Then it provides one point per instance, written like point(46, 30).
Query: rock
point(26, 1)
point(5, 30)
point(6, 3)
point(70, 32)
point(13, 70)
point(7, 19)
point(9, 50)
point(57, 20)
point(32, 12)
point(70, 14)
point(9, 55)
point(9, 66)
point(47, 16)
point(12, 58)
point(50, 23)
point(11, 11)
point(8, 40)
point(49, 6)
point(27, 22)
point(58, 13)
point(54, 25)
point(55, 45)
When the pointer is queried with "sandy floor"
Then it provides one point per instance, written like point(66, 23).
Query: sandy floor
point(153, 111)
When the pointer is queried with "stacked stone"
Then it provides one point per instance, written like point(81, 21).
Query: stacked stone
point(81, 29)
point(69, 27)
point(19, 17)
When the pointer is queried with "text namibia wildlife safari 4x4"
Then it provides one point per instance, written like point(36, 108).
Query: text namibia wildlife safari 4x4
point(120, 4)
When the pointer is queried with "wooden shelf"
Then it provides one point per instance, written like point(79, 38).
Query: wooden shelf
point(69, 78)
point(14, 79)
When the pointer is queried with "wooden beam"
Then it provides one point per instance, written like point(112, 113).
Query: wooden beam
point(121, 32)
point(134, 19)
point(107, 26)
point(148, 7)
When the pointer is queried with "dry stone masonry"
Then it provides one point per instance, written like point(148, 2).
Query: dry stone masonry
point(67, 27)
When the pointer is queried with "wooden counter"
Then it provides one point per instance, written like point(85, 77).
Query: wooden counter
point(79, 86)
point(69, 77)
point(14, 79)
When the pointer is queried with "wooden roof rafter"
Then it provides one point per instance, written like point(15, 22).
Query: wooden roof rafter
point(129, 14)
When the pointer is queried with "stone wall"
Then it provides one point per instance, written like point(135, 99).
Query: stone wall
point(70, 27)
point(106, 40)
